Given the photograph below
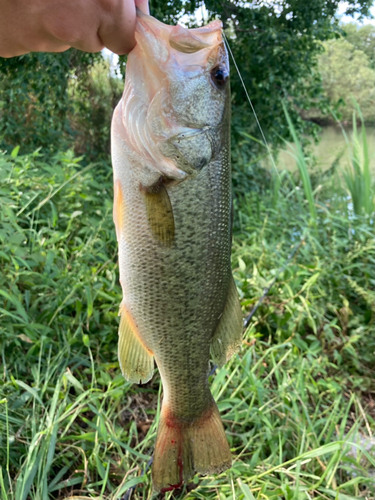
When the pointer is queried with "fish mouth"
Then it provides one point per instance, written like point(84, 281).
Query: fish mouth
point(182, 39)
point(182, 45)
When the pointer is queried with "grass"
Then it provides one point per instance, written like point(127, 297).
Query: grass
point(297, 402)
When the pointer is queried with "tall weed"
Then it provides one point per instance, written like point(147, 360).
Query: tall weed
point(302, 167)
point(359, 181)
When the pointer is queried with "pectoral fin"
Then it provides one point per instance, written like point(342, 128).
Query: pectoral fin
point(160, 213)
point(228, 335)
point(136, 360)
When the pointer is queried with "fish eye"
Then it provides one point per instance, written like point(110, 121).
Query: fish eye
point(219, 76)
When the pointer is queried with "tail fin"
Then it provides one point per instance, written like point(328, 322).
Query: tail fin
point(185, 448)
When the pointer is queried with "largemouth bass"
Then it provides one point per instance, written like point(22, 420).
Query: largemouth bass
point(172, 212)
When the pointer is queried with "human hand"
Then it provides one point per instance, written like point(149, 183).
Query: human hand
point(57, 25)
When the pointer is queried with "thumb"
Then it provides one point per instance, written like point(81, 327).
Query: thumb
point(118, 26)
point(143, 6)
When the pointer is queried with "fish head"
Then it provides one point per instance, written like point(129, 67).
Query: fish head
point(179, 80)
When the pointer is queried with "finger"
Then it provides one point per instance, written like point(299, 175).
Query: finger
point(22, 30)
point(91, 25)
point(71, 22)
point(55, 25)
point(117, 28)
point(143, 6)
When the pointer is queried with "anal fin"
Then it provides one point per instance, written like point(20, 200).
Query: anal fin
point(227, 338)
point(136, 360)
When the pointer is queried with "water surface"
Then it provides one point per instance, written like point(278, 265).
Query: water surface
point(332, 144)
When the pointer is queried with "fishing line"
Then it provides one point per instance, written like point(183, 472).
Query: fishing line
point(251, 105)
point(266, 291)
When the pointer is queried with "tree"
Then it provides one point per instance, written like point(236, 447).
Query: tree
point(347, 74)
point(34, 98)
point(363, 38)
point(93, 102)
